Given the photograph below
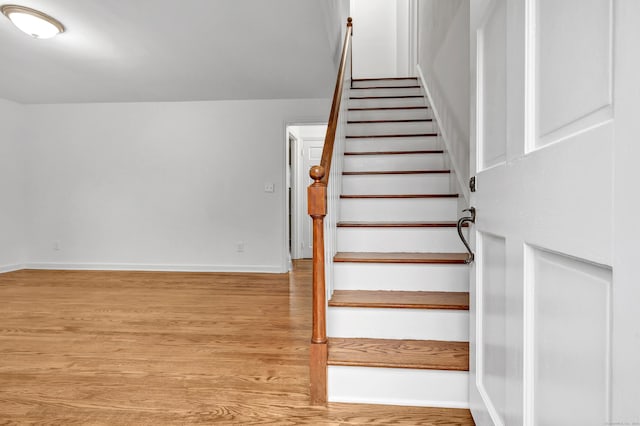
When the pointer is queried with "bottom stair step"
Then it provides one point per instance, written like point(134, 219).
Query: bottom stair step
point(369, 414)
point(400, 299)
point(390, 353)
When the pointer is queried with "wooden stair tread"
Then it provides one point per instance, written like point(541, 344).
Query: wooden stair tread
point(418, 354)
point(429, 151)
point(397, 172)
point(385, 87)
point(410, 120)
point(386, 97)
point(374, 257)
point(383, 108)
point(385, 196)
point(383, 78)
point(412, 135)
point(409, 224)
point(400, 299)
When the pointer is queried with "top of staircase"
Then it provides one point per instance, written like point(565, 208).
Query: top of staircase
point(385, 78)
point(388, 108)
point(386, 87)
point(389, 82)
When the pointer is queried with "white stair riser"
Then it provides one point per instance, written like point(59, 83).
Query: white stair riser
point(387, 323)
point(386, 102)
point(394, 209)
point(414, 143)
point(400, 277)
point(429, 183)
point(394, 162)
point(400, 128)
point(437, 240)
point(386, 82)
point(384, 91)
point(390, 114)
point(398, 386)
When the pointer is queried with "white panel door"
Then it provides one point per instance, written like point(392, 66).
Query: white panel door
point(311, 155)
point(546, 348)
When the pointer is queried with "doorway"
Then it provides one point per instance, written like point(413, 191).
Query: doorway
point(304, 150)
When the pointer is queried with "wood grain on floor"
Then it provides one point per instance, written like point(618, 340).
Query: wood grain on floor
point(156, 348)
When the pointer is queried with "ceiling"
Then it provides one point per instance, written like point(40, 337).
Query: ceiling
point(187, 50)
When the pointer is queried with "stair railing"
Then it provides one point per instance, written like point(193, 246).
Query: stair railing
point(323, 201)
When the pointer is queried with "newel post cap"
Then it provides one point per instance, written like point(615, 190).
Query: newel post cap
point(317, 173)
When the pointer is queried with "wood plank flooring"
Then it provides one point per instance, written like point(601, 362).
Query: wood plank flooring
point(138, 348)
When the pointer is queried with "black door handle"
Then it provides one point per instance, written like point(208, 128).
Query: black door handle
point(461, 222)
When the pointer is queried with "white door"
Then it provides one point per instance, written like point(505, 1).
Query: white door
point(311, 155)
point(555, 340)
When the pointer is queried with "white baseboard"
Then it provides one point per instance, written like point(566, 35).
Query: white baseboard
point(11, 268)
point(464, 190)
point(153, 267)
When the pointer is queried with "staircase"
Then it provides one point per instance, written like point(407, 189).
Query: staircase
point(398, 318)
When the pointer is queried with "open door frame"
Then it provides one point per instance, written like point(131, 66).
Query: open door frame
point(299, 180)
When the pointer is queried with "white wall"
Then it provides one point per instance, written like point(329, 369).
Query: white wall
point(12, 209)
point(374, 38)
point(381, 38)
point(160, 185)
point(403, 44)
point(443, 62)
point(336, 13)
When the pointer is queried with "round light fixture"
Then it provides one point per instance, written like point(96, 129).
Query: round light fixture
point(31, 21)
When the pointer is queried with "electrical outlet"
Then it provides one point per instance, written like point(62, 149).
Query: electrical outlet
point(240, 246)
point(56, 245)
point(269, 187)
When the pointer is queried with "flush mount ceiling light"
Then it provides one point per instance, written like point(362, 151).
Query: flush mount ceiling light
point(31, 21)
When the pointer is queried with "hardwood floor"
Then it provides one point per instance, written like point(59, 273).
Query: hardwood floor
point(138, 348)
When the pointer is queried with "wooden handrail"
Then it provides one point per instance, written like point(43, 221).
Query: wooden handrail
point(332, 126)
point(317, 208)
